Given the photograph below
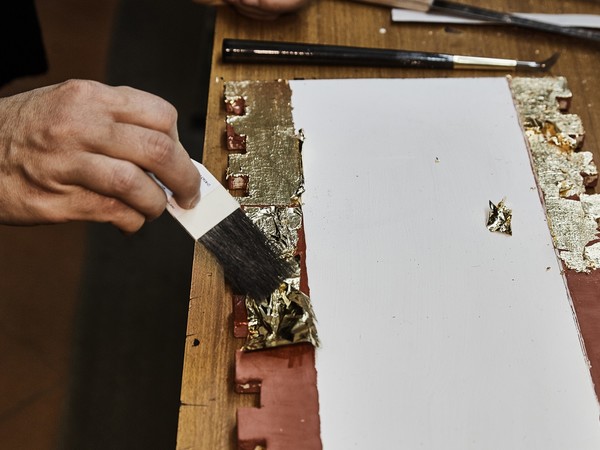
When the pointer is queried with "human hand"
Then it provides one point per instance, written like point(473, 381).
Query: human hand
point(80, 150)
point(266, 9)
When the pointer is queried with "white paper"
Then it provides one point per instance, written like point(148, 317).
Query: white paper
point(564, 20)
point(437, 334)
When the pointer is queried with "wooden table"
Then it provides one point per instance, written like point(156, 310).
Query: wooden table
point(208, 402)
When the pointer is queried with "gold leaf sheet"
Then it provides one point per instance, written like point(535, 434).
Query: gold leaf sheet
point(272, 162)
point(554, 139)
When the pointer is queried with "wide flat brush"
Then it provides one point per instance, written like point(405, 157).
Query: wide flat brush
point(248, 51)
point(474, 12)
point(250, 264)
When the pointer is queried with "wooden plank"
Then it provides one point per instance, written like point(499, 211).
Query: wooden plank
point(208, 411)
point(208, 401)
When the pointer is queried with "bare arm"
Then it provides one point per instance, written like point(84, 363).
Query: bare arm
point(79, 151)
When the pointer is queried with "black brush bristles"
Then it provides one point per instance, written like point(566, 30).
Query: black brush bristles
point(250, 264)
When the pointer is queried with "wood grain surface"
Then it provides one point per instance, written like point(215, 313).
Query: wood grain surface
point(208, 402)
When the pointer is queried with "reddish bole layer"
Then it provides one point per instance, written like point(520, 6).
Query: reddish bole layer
point(585, 293)
point(288, 417)
point(285, 377)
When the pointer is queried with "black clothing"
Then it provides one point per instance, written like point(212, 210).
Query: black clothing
point(21, 48)
point(130, 330)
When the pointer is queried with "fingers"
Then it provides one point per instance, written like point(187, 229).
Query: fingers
point(76, 203)
point(80, 150)
point(116, 104)
point(99, 189)
point(184, 183)
point(138, 127)
point(155, 152)
point(120, 180)
point(146, 110)
point(153, 142)
point(108, 210)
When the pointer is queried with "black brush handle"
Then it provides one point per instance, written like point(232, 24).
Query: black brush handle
point(245, 51)
point(474, 12)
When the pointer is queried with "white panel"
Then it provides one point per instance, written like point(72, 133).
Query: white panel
point(437, 334)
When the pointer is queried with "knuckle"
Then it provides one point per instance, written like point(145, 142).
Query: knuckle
point(90, 205)
point(159, 148)
point(156, 209)
point(113, 209)
point(67, 108)
point(123, 178)
point(59, 129)
point(164, 115)
point(168, 114)
point(120, 215)
point(123, 217)
point(77, 90)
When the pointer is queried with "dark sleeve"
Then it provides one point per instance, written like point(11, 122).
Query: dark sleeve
point(21, 47)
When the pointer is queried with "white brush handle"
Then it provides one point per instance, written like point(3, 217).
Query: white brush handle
point(215, 205)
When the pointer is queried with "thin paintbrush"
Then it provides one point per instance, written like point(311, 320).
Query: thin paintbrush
point(244, 51)
point(250, 265)
point(474, 12)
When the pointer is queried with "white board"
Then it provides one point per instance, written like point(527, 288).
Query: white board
point(436, 334)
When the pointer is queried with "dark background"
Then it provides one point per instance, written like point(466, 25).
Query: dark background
point(92, 323)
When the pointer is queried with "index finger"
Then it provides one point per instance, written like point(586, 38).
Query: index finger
point(184, 180)
point(145, 111)
point(136, 107)
point(177, 172)
point(154, 151)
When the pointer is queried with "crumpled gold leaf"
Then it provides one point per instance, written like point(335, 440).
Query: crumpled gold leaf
point(285, 318)
point(500, 218)
point(272, 164)
point(561, 170)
